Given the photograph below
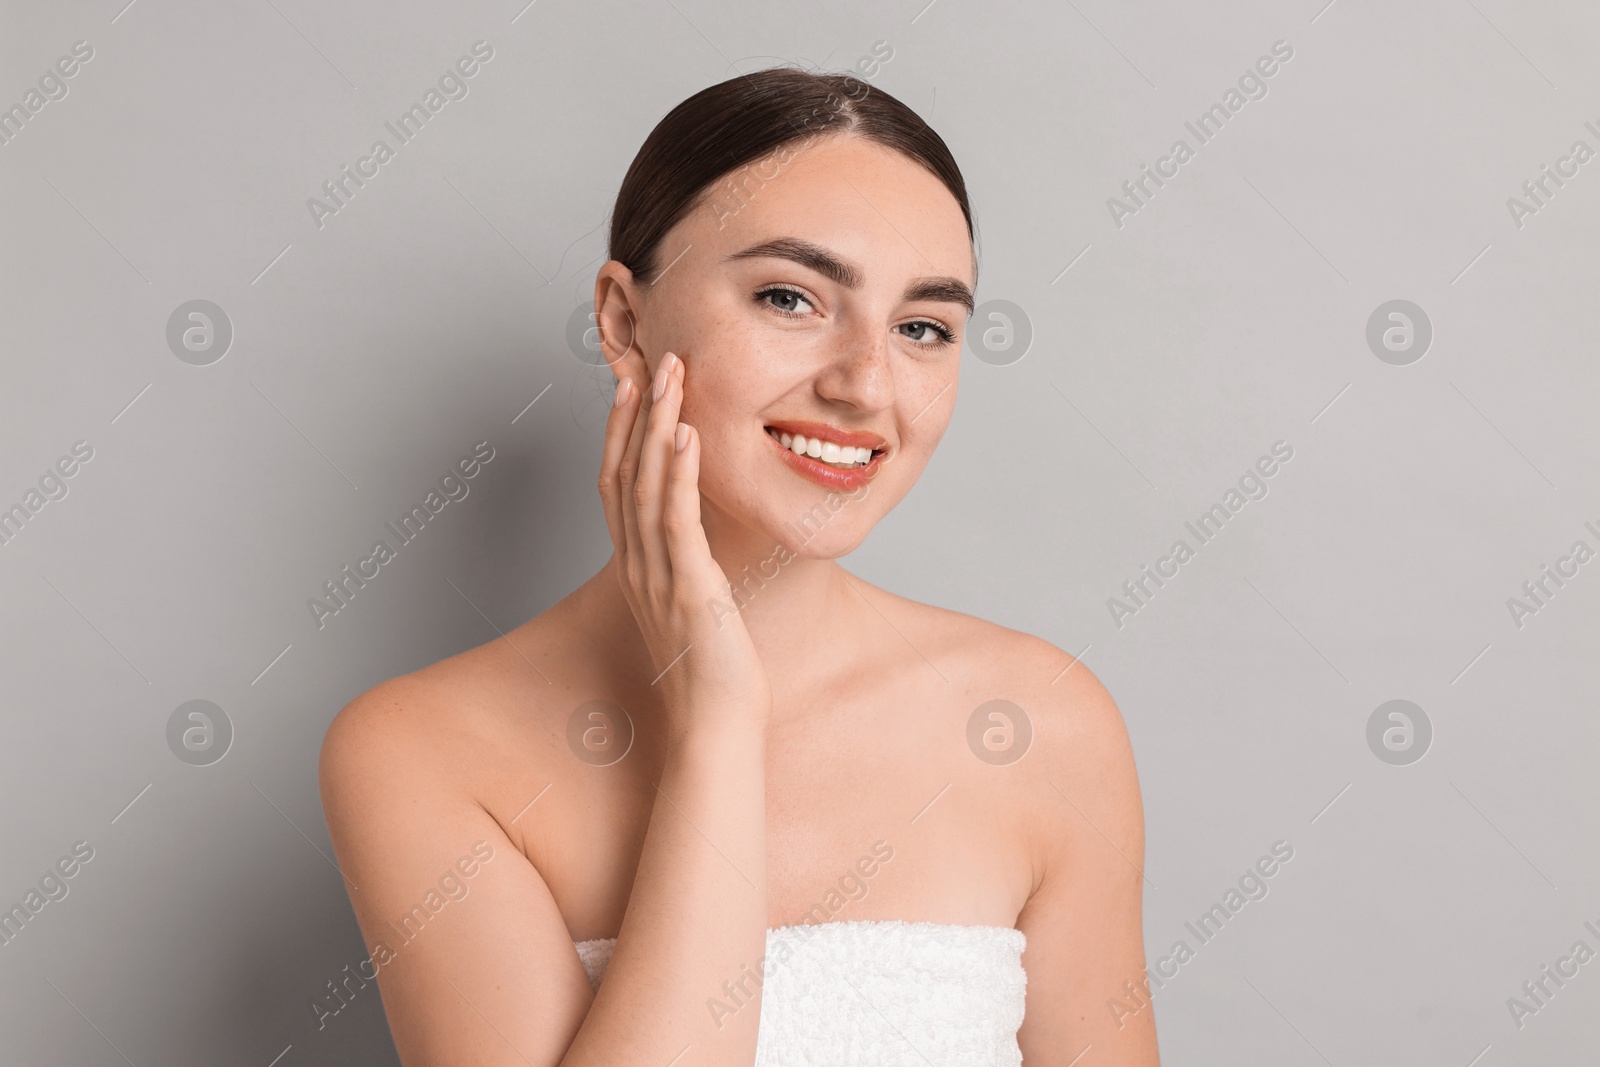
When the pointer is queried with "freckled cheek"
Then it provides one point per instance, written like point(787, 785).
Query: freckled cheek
point(712, 337)
point(728, 368)
point(926, 405)
point(717, 396)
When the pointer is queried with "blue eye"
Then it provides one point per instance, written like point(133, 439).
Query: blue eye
point(785, 300)
point(945, 335)
point(784, 293)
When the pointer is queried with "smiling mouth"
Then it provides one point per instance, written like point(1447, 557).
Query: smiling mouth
point(839, 457)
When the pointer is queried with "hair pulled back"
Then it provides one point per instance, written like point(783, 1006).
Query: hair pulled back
point(731, 124)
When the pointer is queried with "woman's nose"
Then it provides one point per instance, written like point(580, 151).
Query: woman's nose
point(859, 372)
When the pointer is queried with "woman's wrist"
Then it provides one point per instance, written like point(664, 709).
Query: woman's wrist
point(724, 734)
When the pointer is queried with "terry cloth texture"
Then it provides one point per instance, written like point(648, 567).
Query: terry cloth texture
point(878, 994)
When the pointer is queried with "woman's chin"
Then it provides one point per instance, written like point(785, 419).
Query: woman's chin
point(805, 540)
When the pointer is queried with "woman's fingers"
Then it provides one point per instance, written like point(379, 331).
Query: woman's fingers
point(619, 426)
point(652, 495)
point(685, 537)
point(638, 454)
point(628, 472)
point(655, 458)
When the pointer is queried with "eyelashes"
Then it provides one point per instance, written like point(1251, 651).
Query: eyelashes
point(944, 333)
point(946, 336)
point(784, 291)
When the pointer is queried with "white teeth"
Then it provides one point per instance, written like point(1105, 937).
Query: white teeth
point(835, 455)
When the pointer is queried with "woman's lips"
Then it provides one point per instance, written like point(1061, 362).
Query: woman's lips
point(824, 475)
point(822, 431)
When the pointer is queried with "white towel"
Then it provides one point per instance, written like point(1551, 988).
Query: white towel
point(878, 994)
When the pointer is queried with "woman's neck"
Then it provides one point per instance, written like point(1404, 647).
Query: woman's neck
point(805, 617)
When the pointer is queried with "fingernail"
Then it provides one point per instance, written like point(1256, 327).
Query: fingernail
point(661, 379)
point(681, 438)
point(622, 392)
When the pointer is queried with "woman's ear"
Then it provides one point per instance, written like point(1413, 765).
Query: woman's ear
point(617, 314)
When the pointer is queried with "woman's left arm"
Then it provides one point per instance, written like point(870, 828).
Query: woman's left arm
point(1088, 1001)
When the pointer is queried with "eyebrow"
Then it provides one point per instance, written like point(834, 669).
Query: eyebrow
point(815, 257)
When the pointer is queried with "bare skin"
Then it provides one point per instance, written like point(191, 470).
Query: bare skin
point(824, 716)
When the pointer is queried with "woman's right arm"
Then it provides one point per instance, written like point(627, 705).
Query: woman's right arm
point(492, 978)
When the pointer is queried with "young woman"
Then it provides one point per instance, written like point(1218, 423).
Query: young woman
point(727, 803)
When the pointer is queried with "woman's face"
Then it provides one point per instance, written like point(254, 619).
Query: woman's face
point(823, 290)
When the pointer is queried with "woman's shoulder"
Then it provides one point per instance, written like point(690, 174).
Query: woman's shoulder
point(1053, 751)
point(1020, 701)
point(988, 656)
point(458, 713)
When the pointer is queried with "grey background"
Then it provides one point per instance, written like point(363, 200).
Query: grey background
point(1227, 314)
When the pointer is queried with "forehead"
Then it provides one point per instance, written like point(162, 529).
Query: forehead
point(868, 203)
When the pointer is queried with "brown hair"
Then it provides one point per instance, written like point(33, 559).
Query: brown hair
point(728, 125)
